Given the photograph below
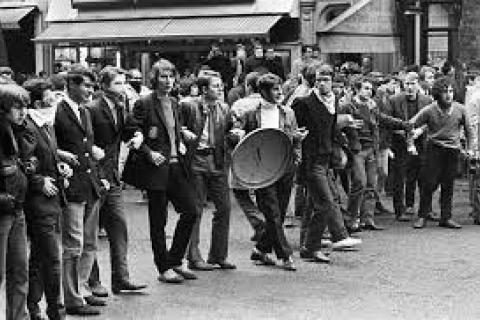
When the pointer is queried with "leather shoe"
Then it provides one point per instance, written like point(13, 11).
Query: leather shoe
point(449, 224)
point(185, 273)
point(225, 265)
point(433, 217)
point(98, 290)
point(170, 276)
point(95, 301)
point(200, 266)
point(372, 227)
point(84, 310)
point(262, 257)
point(380, 209)
point(37, 316)
point(402, 217)
point(476, 221)
point(126, 285)
point(420, 223)
point(288, 264)
point(319, 256)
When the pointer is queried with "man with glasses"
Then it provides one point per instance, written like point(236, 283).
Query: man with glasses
point(317, 112)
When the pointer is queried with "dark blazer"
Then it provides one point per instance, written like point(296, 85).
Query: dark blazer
point(398, 108)
point(77, 138)
point(311, 113)
point(148, 117)
point(107, 135)
point(11, 148)
point(192, 114)
point(45, 151)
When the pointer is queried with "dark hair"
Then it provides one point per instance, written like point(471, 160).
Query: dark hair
point(360, 81)
point(267, 81)
point(160, 65)
point(205, 79)
point(251, 80)
point(185, 86)
point(36, 87)
point(58, 82)
point(12, 96)
point(447, 67)
point(440, 85)
point(107, 74)
point(76, 75)
point(313, 69)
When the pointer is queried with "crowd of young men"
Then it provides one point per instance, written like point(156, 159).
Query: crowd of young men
point(63, 151)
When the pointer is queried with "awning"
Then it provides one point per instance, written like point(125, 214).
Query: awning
point(10, 17)
point(151, 29)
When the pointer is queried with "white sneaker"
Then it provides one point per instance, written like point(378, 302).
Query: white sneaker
point(346, 243)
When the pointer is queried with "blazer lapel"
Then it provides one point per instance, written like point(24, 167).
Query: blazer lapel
point(108, 113)
point(159, 109)
point(73, 117)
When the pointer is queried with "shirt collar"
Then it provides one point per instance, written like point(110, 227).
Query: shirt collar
point(75, 106)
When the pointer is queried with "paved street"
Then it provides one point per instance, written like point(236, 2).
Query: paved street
point(400, 273)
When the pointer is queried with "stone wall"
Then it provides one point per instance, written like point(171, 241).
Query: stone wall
point(469, 33)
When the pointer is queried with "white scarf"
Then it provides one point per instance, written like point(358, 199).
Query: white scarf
point(44, 116)
point(327, 99)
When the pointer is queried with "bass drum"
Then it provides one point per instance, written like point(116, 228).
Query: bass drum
point(261, 158)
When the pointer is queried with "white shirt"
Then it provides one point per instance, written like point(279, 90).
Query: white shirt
point(75, 108)
point(269, 116)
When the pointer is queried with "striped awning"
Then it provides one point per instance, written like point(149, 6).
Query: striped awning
point(160, 28)
point(10, 17)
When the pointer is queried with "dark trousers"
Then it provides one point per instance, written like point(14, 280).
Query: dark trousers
point(273, 202)
point(406, 173)
point(250, 209)
point(13, 264)
point(216, 186)
point(45, 267)
point(326, 201)
point(440, 169)
point(180, 192)
point(112, 214)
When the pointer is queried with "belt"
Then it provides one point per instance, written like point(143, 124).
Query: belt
point(205, 151)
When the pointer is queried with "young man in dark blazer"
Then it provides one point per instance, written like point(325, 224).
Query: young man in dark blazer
point(108, 123)
point(13, 186)
point(44, 202)
point(73, 129)
point(161, 170)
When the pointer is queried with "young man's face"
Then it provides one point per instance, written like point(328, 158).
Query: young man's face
point(117, 86)
point(323, 83)
point(277, 93)
point(82, 92)
point(165, 81)
point(411, 87)
point(429, 78)
point(215, 89)
point(17, 114)
point(447, 96)
point(366, 90)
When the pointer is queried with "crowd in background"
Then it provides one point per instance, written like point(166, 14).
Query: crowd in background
point(71, 141)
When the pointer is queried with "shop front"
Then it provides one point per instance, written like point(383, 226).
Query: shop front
point(136, 35)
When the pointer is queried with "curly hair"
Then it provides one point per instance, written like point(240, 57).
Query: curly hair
point(440, 85)
point(267, 81)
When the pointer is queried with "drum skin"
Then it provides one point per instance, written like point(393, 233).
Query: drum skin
point(261, 158)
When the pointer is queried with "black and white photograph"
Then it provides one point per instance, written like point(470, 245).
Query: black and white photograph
point(240, 159)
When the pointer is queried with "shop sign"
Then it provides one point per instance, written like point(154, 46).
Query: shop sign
point(144, 3)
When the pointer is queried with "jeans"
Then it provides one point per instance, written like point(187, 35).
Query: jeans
point(361, 200)
point(79, 236)
point(45, 265)
point(440, 169)
point(326, 201)
point(181, 193)
point(474, 182)
point(382, 169)
point(13, 264)
point(112, 214)
point(250, 210)
point(216, 186)
point(273, 202)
